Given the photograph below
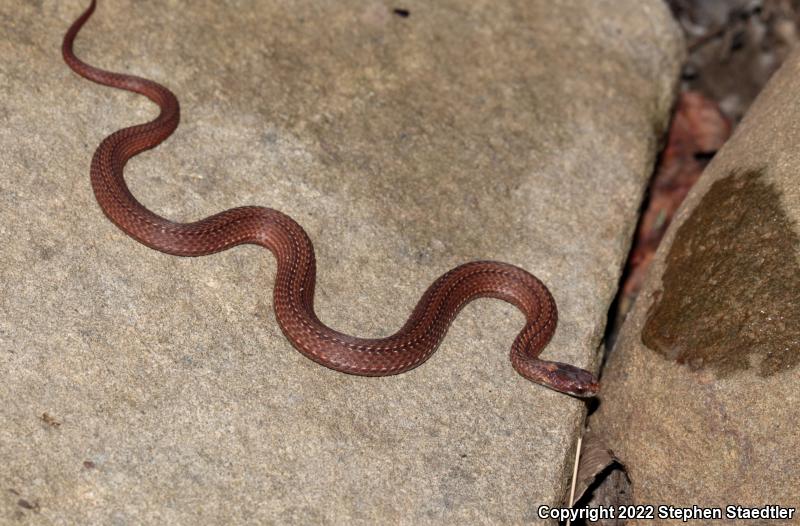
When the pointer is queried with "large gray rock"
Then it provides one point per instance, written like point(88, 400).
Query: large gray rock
point(143, 388)
point(701, 396)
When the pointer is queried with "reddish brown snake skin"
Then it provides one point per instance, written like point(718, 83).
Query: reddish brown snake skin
point(414, 343)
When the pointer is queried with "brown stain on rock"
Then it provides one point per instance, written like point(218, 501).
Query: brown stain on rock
point(731, 289)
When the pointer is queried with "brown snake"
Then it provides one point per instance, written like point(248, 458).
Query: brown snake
point(414, 343)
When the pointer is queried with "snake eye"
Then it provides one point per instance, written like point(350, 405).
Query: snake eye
point(587, 391)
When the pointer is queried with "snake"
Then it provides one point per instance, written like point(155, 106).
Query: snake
point(293, 291)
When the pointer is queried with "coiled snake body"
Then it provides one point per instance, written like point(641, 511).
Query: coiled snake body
point(296, 270)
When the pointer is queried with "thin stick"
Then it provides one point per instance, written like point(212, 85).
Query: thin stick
point(574, 476)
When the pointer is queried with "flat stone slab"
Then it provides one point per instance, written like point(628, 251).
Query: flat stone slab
point(701, 400)
point(141, 388)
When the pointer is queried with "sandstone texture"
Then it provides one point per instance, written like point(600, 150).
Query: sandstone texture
point(701, 397)
point(142, 388)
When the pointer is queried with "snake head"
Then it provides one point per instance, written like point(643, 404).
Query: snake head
point(568, 379)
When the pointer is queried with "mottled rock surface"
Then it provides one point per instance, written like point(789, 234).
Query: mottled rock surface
point(140, 388)
point(701, 395)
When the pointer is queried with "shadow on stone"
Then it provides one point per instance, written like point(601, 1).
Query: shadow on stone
point(729, 298)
